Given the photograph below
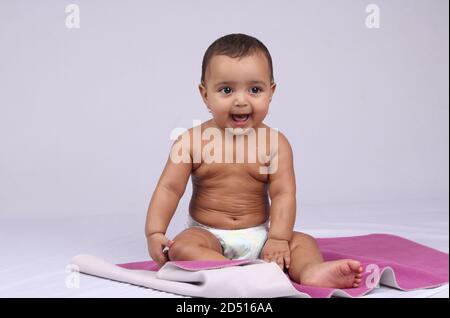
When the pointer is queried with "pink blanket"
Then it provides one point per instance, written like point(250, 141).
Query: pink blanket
point(387, 259)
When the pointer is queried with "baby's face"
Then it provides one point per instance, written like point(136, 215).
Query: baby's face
point(238, 91)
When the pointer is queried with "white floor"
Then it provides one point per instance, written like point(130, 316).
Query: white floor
point(36, 251)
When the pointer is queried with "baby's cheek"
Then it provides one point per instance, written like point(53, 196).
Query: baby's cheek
point(221, 118)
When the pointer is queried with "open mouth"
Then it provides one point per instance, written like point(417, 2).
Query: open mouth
point(243, 118)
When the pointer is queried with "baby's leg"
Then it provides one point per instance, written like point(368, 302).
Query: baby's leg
point(308, 267)
point(195, 244)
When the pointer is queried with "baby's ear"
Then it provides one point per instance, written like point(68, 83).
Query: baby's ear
point(273, 86)
point(202, 89)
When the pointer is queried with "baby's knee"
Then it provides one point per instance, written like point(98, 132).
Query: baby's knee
point(304, 236)
point(175, 251)
point(301, 238)
point(180, 250)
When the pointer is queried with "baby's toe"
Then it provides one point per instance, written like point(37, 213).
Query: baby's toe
point(355, 266)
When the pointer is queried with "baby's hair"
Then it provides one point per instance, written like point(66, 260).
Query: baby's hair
point(236, 45)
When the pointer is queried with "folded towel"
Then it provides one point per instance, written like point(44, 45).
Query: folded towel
point(387, 260)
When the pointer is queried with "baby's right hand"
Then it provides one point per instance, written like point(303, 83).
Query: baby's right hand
point(156, 243)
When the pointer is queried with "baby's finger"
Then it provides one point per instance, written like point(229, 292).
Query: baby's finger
point(267, 258)
point(280, 262)
point(287, 259)
point(161, 259)
point(168, 243)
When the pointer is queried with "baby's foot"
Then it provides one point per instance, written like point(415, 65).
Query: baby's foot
point(345, 273)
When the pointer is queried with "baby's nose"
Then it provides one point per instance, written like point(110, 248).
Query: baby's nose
point(240, 100)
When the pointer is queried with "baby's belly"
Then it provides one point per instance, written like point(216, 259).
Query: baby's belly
point(229, 210)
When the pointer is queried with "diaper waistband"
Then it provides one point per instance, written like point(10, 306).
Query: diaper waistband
point(192, 222)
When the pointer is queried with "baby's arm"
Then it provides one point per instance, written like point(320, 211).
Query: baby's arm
point(282, 192)
point(164, 201)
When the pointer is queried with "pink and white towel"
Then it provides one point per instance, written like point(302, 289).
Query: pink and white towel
point(387, 260)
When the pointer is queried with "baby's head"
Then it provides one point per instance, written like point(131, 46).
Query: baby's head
point(237, 81)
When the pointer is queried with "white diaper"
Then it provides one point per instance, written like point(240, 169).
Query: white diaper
point(237, 244)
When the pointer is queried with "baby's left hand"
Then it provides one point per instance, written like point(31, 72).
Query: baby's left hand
point(277, 251)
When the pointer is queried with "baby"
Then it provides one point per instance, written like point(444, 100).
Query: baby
point(241, 208)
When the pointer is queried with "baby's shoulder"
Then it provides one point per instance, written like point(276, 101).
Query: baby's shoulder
point(274, 135)
point(189, 134)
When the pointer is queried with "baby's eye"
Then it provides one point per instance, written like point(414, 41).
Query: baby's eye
point(226, 90)
point(255, 90)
